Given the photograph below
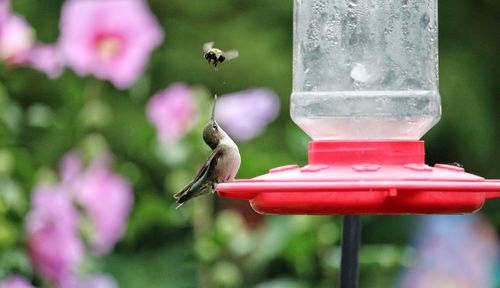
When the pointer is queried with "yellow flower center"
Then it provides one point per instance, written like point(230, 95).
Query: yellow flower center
point(109, 47)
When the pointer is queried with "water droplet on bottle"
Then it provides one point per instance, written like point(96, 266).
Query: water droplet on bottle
point(359, 73)
point(318, 6)
point(425, 20)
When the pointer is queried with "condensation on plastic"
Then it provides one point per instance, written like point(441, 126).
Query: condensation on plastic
point(365, 69)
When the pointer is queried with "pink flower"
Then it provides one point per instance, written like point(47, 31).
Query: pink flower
point(52, 231)
point(16, 37)
point(18, 47)
point(46, 59)
point(70, 167)
point(15, 281)
point(173, 112)
point(107, 199)
point(4, 10)
point(453, 251)
point(110, 39)
point(246, 114)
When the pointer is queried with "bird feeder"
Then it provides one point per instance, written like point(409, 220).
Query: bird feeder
point(365, 89)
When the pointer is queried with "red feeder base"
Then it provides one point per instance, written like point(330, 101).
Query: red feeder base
point(375, 177)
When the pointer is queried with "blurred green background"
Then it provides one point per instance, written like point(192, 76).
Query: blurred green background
point(41, 119)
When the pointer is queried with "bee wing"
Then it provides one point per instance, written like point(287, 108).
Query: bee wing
point(207, 46)
point(231, 54)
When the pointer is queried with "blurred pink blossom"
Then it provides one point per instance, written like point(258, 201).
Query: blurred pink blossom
point(52, 232)
point(16, 36)
point(111, 39)
point(15, 281)
point(105, 196)
point(4, 10)
point(45, 58)
point(458, 251)
point(53, 224)
point(245, 114)
point(18, 46)
point(173, 112)
point(70, 167)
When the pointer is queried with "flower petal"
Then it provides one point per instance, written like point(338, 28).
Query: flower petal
point(129, 23)
point(246, 114)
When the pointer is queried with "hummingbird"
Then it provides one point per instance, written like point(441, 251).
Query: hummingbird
point(221, 166)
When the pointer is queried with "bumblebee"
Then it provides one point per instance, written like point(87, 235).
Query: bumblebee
point(215, 56)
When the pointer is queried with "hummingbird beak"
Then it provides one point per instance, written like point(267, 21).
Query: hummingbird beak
point(213, 108)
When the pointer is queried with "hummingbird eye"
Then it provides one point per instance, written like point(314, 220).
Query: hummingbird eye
point(214, 126)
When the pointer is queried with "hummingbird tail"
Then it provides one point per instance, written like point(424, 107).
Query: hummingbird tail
point(182, 192)
point(187, 194)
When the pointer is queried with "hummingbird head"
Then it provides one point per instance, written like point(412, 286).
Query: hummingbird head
point(212, 133)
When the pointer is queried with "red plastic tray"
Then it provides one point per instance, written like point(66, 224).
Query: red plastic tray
point(374, 177)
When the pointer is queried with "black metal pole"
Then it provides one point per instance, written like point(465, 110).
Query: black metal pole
point(351, 234)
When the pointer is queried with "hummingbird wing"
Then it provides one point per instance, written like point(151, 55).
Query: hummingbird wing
point(201, 183)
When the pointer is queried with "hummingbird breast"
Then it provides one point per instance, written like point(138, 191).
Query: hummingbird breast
point(228, 164)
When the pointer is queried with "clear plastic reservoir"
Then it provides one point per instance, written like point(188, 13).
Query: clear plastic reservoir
point(365, 69)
